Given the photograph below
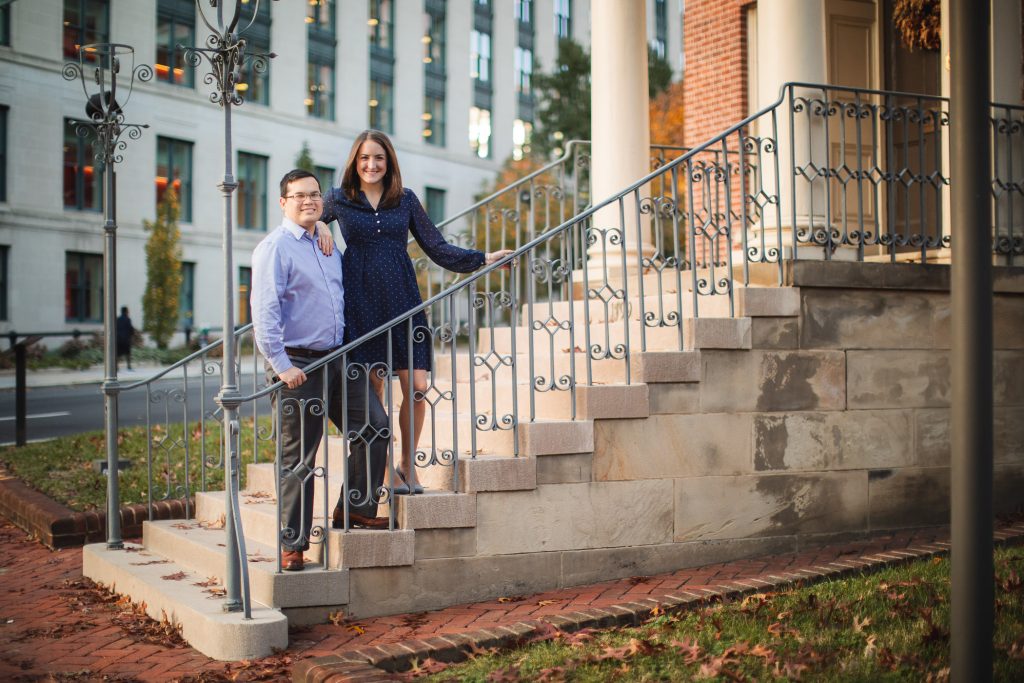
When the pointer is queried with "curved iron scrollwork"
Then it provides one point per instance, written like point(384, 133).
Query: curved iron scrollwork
point(605, 293)
point(881, 174)
point(169, 436)
point(433, 397)
point(490, 304)
point(106, 121)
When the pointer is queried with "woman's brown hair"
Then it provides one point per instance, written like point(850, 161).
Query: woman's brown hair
point(392, 177)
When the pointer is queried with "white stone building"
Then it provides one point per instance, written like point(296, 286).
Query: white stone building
point(443, 77)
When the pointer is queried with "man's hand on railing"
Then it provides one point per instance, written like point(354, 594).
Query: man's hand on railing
point(495, 256)
point(293, 377)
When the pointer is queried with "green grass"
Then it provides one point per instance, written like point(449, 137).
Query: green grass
point(892, 625)
point(63, 468)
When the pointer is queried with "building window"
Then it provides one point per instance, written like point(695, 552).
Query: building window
point(381, 106)
point(524, 70)
point(563, 18)
point(480, 56)
point(321, 42)
point(434, 73)
point(244, 295)
point(524, 11)
point(5, 24)
point(83, 287)
point(186, 296)
point(480, 60)
point(85, 22)
point(382, 65)
point(434, 36)
point(3, 154)
point(523, 76)
point(320, 15)
point(252, 191)
point(5, 251)
point(522, 131)
point(175, 25)
point(661, 27)
point(253, 85)
point(433, 120)
point(480, 131)
point(174, 166)
point(381, 22)
point(320, 103)
point(435, 204)
point(83, 175)
point(325, 174)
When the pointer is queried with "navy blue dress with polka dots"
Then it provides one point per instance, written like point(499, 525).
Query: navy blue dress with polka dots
point(378, 275)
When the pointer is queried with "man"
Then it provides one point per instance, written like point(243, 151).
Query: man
point(125, 332)
point(298, 317)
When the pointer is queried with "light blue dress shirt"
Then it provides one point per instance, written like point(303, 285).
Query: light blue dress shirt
point(297, 295)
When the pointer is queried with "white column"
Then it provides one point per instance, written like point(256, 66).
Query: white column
point(620, 129)
point(799, 26)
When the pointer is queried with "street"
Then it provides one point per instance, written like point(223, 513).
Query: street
point(72, 409)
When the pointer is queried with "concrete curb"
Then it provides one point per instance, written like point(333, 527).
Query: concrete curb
point(383, 662)
point(57, 526)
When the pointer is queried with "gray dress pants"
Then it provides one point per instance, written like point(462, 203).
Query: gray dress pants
point(302, 427)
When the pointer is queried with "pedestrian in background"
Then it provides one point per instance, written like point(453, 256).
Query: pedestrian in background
point(125, 334)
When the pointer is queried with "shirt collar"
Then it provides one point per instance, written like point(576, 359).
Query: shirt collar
point(293, 228)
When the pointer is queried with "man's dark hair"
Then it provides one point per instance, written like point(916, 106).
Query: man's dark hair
point(293, 175)
point(124, 310)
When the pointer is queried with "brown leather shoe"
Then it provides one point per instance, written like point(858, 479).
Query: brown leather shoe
point(361, 522)
point(357, 521)
point(291, 560)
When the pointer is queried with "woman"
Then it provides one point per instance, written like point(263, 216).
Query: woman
point(376, 214)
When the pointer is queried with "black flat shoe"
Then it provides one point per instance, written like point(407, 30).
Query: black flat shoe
point(415, 489)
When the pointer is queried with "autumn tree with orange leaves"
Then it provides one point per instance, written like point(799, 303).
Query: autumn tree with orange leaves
point(666, 116)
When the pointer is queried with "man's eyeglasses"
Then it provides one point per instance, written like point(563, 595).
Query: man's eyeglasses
point(303, 196)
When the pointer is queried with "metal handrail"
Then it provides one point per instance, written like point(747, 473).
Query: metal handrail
point(720, 193)
point(195, 355)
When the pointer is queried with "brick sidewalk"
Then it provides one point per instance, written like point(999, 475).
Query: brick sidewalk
point(52, 624)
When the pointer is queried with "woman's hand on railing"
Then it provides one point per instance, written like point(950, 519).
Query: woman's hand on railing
point(496, 256)
point(324, 238)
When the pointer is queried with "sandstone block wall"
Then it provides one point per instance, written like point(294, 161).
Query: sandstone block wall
point(836, 421)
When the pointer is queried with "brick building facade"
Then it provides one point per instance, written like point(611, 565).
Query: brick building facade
point(715, 56)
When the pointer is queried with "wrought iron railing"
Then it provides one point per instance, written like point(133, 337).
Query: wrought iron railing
point(823, 173)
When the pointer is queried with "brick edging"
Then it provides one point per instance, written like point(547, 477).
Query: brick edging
point(379, 663)
point(57, 526)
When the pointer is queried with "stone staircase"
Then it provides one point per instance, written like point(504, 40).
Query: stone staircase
point(435, 556)
point(819, 411)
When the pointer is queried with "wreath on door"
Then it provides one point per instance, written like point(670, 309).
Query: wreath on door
point(918, 23)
